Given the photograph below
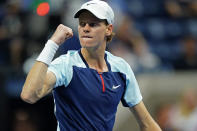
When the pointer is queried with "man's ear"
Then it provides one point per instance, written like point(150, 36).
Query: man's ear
point(109, 29)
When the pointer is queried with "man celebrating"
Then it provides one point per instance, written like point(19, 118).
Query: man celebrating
point(88, 84)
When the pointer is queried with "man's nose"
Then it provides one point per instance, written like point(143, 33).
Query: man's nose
point(86, 28)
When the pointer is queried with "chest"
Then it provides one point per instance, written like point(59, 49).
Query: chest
point(90, 87)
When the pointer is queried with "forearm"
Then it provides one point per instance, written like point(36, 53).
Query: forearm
point(144, 119)
point(32, 88)
point(38, 82)
point(147, 123)
point(153, 126)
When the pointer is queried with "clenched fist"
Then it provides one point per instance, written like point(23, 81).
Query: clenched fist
point(61, 34)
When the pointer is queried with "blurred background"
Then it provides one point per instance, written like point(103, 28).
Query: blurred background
point(158, 38)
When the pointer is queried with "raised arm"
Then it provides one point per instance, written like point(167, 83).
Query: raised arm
point(144, 119)
point(39, 82)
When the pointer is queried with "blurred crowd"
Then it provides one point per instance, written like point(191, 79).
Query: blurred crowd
point(180, 115)
point(151, 35)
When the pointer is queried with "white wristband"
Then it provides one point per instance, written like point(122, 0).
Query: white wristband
point(48, 52)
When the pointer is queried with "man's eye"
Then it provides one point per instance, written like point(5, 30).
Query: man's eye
point(92, 24)
point(82, 24)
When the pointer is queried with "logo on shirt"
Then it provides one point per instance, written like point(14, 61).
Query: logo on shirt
point(115, 87)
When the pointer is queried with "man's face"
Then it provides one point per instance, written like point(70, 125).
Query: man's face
point(92, 31)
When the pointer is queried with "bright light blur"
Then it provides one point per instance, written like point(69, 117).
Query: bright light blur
point(43, 9)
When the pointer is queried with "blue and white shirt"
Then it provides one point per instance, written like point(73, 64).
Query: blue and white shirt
point(86, 100)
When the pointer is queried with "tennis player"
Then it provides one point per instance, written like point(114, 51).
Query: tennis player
point(87, 84)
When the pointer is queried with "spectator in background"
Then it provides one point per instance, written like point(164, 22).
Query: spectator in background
point(162, 116)
point(193, 8)
point(183, 116)
point(188, 58)
point(173, 8)
point(4, 50)
point(133, 47)
point(17, 52)
point(24, 121)
point(130, 43)
point(10, 28)
point(12, 20)
point(181, 8)
point(12, 51)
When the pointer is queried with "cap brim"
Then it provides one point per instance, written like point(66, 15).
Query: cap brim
point(96, 14)
point(79, 12)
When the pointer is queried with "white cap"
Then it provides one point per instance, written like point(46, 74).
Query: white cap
point(98, 8)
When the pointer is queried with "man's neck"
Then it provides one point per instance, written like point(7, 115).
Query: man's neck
point(95, 60)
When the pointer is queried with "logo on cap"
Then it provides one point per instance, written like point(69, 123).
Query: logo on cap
point(90, 3)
